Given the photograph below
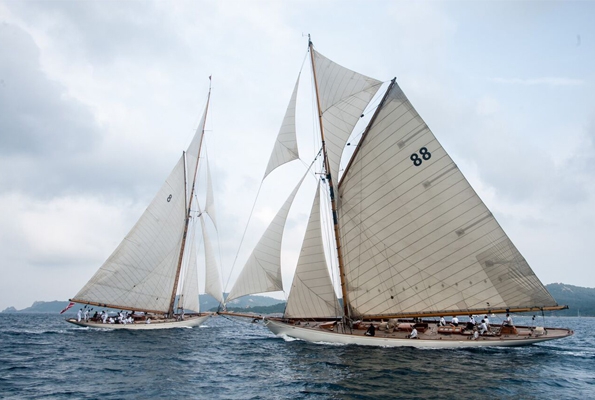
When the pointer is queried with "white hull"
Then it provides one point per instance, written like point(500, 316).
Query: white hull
point(322, 336)
point(188, 322)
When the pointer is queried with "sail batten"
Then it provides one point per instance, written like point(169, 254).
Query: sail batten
point(416, 237)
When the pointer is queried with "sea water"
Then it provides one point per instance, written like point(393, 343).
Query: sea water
point(42, 356)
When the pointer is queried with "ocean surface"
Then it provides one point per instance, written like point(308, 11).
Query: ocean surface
point(42, 356)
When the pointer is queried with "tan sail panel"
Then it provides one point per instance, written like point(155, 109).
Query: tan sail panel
point(416, 237)
point(140, 273)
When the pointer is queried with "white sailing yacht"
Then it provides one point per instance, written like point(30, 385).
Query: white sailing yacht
point(413, 240)
point(153, 272)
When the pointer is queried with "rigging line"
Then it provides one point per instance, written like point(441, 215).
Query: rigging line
point(243, 235)
point(330, 256)
point(255, 200)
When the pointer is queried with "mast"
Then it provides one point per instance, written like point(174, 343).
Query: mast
point(331, 188)
point(181, 257)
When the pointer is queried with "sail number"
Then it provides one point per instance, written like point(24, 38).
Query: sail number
point(169, 198)
point(425, 155)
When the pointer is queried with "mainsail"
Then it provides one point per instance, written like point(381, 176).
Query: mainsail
point(140, 273)
point(145, 270)
point(416, 237)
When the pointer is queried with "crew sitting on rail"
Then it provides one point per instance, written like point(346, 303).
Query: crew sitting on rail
point(371, 330)
point(413, 334)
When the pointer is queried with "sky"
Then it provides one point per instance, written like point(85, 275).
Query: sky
point(98, 100)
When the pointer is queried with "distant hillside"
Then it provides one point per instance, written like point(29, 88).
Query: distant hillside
point(580, 300)
point(278, 308)
point(207, 302)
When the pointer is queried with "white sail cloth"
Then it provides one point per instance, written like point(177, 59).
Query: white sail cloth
point(262, 272)
point(285, 148)
point(415, 236)
point(192, 152)
point(312, 294)
point(210, 201)
point(212, 278)
point(344, 95)
point(189, 296)
point(140, 273)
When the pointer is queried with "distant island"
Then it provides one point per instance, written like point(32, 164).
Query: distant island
point(580, 300)
point(255, 304)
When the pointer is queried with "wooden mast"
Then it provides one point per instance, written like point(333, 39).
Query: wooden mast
point(331, 188)
point(181, 257)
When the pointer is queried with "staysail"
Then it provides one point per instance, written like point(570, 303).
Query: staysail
point(210, 201)
point(262, 272)
point(285, 149)
point(312, 294)
point(416, 237)
point(188, 300)
point(212, 278)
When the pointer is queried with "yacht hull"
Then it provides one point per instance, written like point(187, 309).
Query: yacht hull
point(316, 334)
point(188, 322)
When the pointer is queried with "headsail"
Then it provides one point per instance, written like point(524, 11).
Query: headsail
point(312, 294)
point(262, 272)
point(189, 296)
point(416, 237)
point(212, 279)
point(285, 149)
point(210, 201)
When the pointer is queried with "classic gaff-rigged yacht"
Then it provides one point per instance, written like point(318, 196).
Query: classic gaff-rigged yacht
point(153, 272)
point(413, 240)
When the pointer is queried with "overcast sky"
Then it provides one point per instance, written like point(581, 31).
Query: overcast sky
point(98, 99)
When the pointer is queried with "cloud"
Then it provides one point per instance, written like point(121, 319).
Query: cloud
point(43, 131)
point(104, 96)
